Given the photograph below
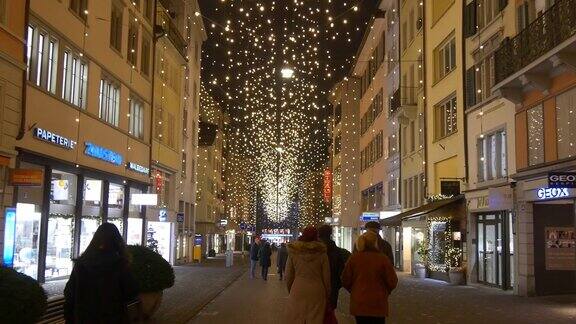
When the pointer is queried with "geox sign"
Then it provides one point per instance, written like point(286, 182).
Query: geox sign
point(562, 180)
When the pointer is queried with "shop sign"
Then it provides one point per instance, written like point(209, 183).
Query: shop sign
point(54, 138)
point(138, 168)
point(180, 217)
point(223, 222)
point(103, 154)
point(562, 180)
point(144, 199)
point(26, 177)
point(370, 217)
point(163, 215)
point(551, 193)
point(327, 186)
point(198, 239)
point(9, 237)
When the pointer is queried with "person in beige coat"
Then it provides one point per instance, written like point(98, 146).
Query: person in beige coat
point(307, 279)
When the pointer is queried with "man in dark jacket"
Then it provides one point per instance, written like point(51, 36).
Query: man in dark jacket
point(281, 259)
point(383, 245)
point(254, 251)
point(337, 258)
point(265, 257)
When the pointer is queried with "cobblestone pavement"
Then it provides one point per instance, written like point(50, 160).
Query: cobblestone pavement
point(415, 301)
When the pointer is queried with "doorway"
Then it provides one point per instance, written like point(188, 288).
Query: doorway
point(495, 249)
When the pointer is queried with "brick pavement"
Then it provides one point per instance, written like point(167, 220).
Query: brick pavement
point(249, 301)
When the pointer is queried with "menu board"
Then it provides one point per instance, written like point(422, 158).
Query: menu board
point(560, 248)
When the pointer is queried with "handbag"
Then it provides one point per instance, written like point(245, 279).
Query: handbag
point(329, 315)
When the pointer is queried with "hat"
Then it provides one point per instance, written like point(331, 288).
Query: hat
point(309, 234)
point(373, 225)
point(367, 242)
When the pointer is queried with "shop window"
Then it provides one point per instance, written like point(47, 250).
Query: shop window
point(109, 101)
point(28, 218)
point(438, 239)
point(566, 123)
point(158, 238)
point(445, 58)
point(60, 239)
point(91, 211)
point(74, 79)
point(116, 206)
point(135, 216)
point(42, 58)
point(133, 42)
point(445, 118)
point(116, 28)
point(492, 162)
point(535, 135)
point(136, 118)
point(80, 8)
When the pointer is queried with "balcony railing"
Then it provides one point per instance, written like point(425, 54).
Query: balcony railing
point(171, 31)
point(549, 30)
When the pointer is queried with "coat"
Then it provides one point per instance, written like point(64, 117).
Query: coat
point(308, 282)
point(99, 290)
point(254, 251)
point(264, 255)
point(282, 257)
point(337, 258)
point(370, 278)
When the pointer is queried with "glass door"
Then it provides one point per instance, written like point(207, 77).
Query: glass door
point(495, 249)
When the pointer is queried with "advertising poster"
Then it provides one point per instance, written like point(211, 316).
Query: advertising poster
point(60, 189)
point(560, 248)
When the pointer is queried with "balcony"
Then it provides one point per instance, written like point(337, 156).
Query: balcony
point(538, 52)
point(166, 26)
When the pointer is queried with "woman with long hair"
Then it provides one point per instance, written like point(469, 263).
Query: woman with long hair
point(307, 279)
point(101, 285)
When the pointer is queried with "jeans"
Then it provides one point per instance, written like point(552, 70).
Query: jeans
point(253, 264)
point(265, 273)
point(370, 320)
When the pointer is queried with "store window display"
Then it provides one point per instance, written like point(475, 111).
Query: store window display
point(116, 206)
point(27, 234)
point(158, 238)
point(134, 233)
point(91, 211)
point(60, 238)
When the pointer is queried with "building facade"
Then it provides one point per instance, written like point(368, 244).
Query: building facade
point(12, 67)
point(541, 83)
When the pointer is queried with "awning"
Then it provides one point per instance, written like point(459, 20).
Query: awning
point(422, 210)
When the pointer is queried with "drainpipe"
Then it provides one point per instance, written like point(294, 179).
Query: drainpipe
point(466, 168)
point(22, 129)
point(425, 126)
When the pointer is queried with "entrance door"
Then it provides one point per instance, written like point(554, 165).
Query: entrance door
point(493, 249)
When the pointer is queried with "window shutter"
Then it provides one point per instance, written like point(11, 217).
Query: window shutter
point(503, 4)
point(470, 19)
point(471, 87)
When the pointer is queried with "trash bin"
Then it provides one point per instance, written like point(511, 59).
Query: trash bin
point(229, 258)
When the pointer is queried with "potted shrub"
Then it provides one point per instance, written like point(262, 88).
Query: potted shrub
point(22, 299)
point(153, 274)
point(456, 272)
point(420, 267)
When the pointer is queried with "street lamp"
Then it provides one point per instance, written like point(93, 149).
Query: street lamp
point(287, 73)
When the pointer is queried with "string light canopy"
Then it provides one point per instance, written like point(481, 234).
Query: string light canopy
point(271, 63)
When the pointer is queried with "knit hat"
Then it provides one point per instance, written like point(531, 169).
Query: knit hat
point(309, 234)
point(367, 242)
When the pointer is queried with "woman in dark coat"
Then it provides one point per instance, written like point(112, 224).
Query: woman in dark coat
point(265, 255)
point(281, 260)
point(101, 284)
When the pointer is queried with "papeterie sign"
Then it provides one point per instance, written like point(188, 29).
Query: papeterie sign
point(103, 154)
point(562, 180)
point(54, 138)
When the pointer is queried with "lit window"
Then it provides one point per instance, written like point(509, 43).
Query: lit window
point(109, 101)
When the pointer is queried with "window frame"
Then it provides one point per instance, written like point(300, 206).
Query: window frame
point(74, 85)
point(116, 27)
point(444, 121)
point(571, 94)
point(137, 117)
point(42, 73)
point(79, 8)
point(539, 148)
point(104, 113)
point(445, 57)
point(492, 161)
point(132, 42)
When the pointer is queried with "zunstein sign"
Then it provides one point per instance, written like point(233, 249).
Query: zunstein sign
point(562, 180)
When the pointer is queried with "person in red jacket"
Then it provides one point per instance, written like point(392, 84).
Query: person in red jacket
point(369, 276)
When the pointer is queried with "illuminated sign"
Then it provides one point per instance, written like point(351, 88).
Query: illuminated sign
point(103, 154)
point(163, 215)
point(388, 214)
point(562, 180)
point(327, 187)
point(54, 138)
point(9, 236)
point(180, 217)
point(138, 168)
point(26, 177)
point(370, 217)
point(550, 193)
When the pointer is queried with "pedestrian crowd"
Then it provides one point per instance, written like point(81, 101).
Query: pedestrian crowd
point(315, 270)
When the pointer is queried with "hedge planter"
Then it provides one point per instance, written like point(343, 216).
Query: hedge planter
point(456, 277)
point(22, 299)
point(153, 274)
point(420, 271)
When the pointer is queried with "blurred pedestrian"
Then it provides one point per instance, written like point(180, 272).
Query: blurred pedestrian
point(265, 257)
point(254, 252)
point(101, 284)
point(369, 276)
point(383, 245)
point(281, 259)
point(337, 258)
point(307, 279)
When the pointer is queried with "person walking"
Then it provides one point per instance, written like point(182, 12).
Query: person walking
point(370, 278)
point(281, 259)
point(101, 284)
point(307, 279)
point(383, 245)
point(337, 258)
point(265, 257)
point(254, 251)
